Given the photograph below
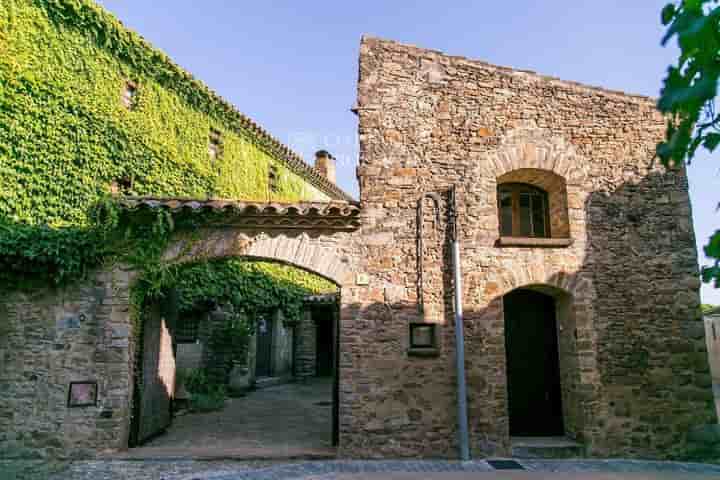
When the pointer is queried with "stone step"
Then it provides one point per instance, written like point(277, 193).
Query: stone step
point(546, 447)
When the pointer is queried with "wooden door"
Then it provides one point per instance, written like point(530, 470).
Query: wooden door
point(263, 365)
point(157, 383)
point(533, 370)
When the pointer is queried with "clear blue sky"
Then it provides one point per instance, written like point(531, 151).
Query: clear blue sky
point(292, 66)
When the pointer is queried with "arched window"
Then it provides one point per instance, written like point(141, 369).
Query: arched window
point(523, 211)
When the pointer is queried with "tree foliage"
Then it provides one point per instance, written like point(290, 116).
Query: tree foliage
point(688, 95)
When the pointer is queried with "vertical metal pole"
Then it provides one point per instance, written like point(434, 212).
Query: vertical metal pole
point(463, 436)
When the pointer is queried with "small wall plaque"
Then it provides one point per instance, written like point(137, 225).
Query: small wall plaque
point(82, 394)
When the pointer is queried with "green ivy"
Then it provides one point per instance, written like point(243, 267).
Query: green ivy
point(65, 134)
point(66, 137)
point(251, 286)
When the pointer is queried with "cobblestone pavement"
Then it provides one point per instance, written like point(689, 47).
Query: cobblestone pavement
point(134, 470)
point(437, 469)
point(292, 420)
point(377, 470)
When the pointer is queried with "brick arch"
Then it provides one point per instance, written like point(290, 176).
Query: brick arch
point(538, 277)
point(318, 255)
point(533, 155)
point(534, 148)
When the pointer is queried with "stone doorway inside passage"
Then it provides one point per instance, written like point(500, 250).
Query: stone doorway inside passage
point(532, 365)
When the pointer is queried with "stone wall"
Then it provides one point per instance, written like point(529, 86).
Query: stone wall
point(632, 355)
point(51, 337)
point(305, 347)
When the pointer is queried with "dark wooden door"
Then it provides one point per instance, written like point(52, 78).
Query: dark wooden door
point(325, 344)
point(263, 364)
point(533, 371)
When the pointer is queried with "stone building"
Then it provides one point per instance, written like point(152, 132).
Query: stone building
point(577, 254)
point(579, 277)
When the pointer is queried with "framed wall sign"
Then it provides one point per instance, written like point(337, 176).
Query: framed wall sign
point(82, 394)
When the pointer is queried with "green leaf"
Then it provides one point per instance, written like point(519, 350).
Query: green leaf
point(668, 12)
point(712, 140)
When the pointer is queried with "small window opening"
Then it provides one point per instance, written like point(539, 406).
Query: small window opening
point(215, 144)
point(123, 185)
point(129, 95)
point(523, 211)
point(273, 179)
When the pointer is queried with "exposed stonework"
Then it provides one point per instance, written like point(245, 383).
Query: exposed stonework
point(85, 332)
point(55, 337)
point(316, 254)
point(306, 347)
point(633, 376)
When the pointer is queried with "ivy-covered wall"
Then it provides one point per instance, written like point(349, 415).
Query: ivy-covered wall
point(66, 135)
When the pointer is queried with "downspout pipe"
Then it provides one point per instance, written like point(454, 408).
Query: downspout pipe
point(463, 436)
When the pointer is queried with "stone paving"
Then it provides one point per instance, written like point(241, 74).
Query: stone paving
point(377, 470)
point(292, 420)
point(386, 470)
point(439, 469)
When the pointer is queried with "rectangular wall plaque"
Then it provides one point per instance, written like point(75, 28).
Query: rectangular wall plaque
point(82, 394)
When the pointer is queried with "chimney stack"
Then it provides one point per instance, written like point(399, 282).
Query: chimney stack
point(325, 165)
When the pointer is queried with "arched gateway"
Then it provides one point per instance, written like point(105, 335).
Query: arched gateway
point(308, 235)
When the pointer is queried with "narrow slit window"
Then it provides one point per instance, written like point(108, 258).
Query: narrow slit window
point(215, 144)
point(273, 179)
point(129, 95)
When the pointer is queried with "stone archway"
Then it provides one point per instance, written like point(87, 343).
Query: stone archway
point(317, 254)
point(535, 148)
point(572, 295)
point(315, 237)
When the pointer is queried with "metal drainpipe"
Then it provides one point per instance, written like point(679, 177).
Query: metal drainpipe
point(463, 436)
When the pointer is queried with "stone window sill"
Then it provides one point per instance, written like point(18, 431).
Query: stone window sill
point(534, 242)
point(424, 352)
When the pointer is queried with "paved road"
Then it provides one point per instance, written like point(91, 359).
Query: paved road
point(385, 470)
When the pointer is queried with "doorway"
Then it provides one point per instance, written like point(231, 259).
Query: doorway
point(533, 369)
point(325, 352)
point(263, 365)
